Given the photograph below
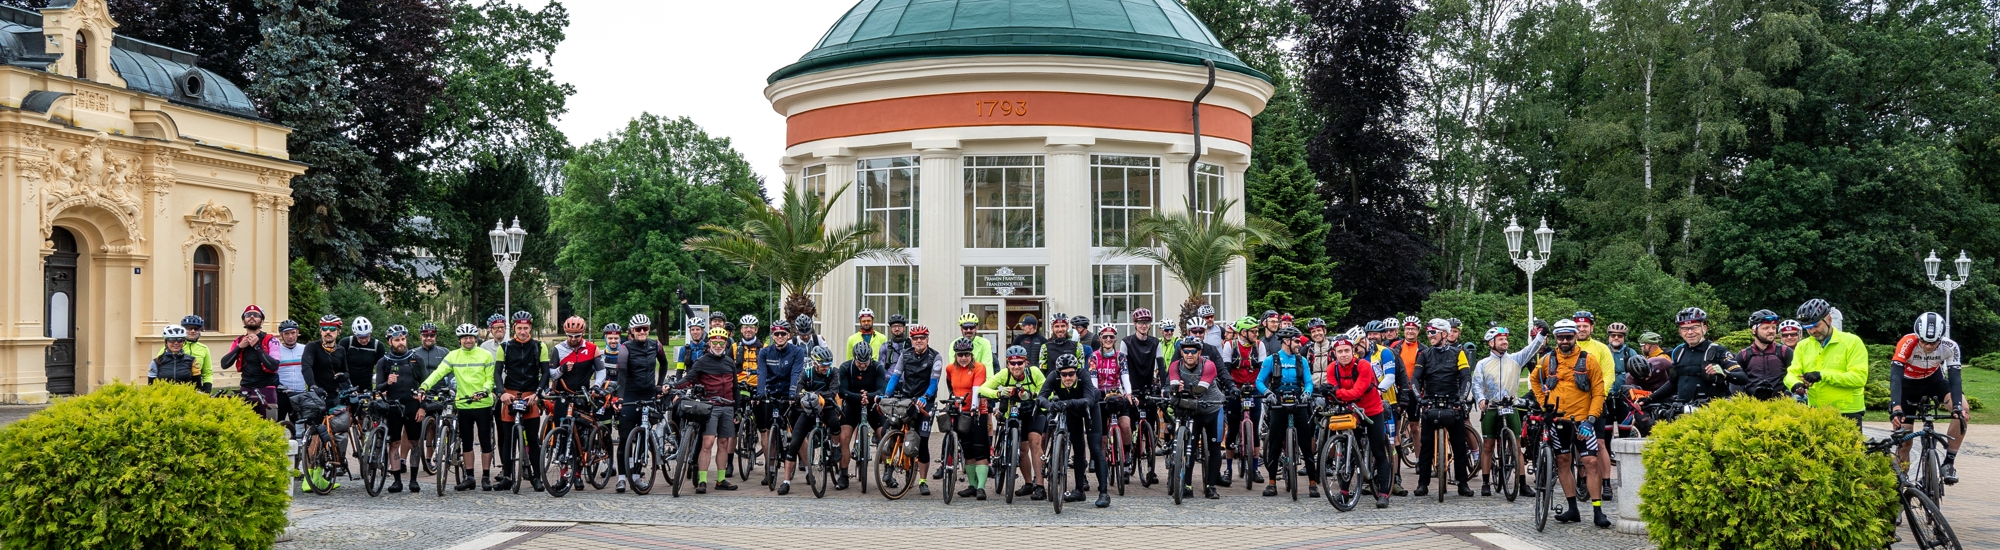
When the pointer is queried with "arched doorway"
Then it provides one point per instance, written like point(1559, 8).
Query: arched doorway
point(59, 312)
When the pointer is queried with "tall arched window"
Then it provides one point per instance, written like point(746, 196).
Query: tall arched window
point(82, 56)
point(207, 283)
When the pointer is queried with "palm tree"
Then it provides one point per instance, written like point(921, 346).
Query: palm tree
point(792, 244)
point(1197, 247)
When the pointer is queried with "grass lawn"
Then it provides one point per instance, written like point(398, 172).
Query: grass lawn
point(1981, 383)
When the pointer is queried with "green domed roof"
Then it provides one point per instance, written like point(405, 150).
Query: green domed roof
point(878, 31)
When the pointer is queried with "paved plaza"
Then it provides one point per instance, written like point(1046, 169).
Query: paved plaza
point(754, 518)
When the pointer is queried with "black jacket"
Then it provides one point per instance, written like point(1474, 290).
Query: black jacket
point(1437, 374)
point(1689, 380)
point(1033, 343)
point(358, 361)
point(1142, 359)
point(322, 364)
point(639, 371)
point(1079, 401)
point(853, 381)
point(522, 367)
point(408, 368)
point(255, 362)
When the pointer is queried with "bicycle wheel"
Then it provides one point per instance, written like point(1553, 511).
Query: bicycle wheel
point(895, 463)
point(1177, 465)
point(594, 458)
point(1056, 469)
point(1246, 454)
point(1406, 447)
point(527, 471)
point(952, 462)
point(684, 460)
point(746, 447)
point(314, 457)
point(1930, 479)
point(775, 456)
point(1289, 462)
point(861, 453)
point(1545, 484)
point(427, 444)
point(1339, 471)
point(636, 468)
point(823, 458)
point(1142, 452)
point(1504, 455)
point(374, 467)
point(1115, 457)
point(1009, 473)
point(444, 460)
point(1926, 521)
point(560, 457)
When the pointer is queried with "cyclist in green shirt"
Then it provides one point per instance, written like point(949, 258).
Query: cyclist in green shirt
point(204, 362)
point(1019, 383)
point(473, 372)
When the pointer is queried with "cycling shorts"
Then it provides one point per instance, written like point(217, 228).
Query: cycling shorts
point(1566, 433)
point(721, 422)
point(1915, 390)
point(1491, 421)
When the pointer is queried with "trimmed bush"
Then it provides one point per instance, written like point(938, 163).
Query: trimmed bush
point(160, 466)
point(1746, 473)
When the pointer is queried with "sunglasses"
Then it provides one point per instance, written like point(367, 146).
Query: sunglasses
point(965, 354)
point(642, 329)
point(1565, 338)
point(1618, 334)
point(1067, 374)
point(920, 337)
point(1017, 363)
point(575, 335)
point(330, 329)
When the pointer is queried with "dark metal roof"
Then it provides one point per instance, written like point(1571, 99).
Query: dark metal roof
point(878, 31)
point(146, 67)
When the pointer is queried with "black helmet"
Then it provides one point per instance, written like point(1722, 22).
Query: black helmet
point(1318, 322)
point(520, 316)
point(1812, 311)
point(1079, 321)
point(613, 328)
point(495, 318)
point(1288, 333)
point(963, 345)
point(1454, 322)
point(287, 325)
point(1583, 315)
point(1763, 316)
point(803, 324)
point(862, 352)
point(822, 356)
point(1691, 315)
point(898, 319)
point(1064, 361)
point(1188, 343)
point(195, 321)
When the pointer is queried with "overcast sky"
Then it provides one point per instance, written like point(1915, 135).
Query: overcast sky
point(703, 59)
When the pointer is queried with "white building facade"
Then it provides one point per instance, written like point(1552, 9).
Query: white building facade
point(1007, 146)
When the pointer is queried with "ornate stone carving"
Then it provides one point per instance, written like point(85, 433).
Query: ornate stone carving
point(210, 224)
point(89, 175)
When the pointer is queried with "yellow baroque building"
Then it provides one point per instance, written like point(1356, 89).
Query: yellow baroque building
point(135, 188)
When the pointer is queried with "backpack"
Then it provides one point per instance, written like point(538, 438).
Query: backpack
point(1276, 378)
point(1581, 370)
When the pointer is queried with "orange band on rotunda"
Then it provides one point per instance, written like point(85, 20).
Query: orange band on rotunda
point(1015, 108)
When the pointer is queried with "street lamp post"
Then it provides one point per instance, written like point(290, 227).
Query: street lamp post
point(701, 278)
point(506, 252)
point(590, 298)
point(1948, 284)
point(1531, 260)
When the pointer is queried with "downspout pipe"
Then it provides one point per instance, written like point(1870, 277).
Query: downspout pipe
point(1195, 162)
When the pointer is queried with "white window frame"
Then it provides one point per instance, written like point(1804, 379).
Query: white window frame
point(1130, 213)
point(813, 179)
point(1206, 193)
point(882, 302)
point(1035, 210)
point(863, 172)
point(1104, 309)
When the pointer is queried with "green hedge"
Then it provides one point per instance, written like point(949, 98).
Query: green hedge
point(161, 466)
point(1746, 473)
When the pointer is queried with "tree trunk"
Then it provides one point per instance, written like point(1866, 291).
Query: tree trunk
point(797, 303)
point(1646, 147)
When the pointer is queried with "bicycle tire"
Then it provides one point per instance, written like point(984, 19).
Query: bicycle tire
point(560, 457)
point(1246, 453)
point(526, 472)
point(1441, 464)
point(593, 459)
point(374, 469)
point(1289, 461)
point(1930, 470)
point(1505, 453)
point(1142, 451)
point(1010, 472)
point(775, 458)
point(951, 463)
point(639, 454)
point(1930, 528)
point(427, 444)
point(892, 466)
point(1342, 491)
point(1406, 448)
point(822, 463)
point(1545, 480)
point(684, 455)
point(315, 459)
point(445, 461)
point(866, 435)
point(1177, 465)
point(1053, 476)
point(1116, 460)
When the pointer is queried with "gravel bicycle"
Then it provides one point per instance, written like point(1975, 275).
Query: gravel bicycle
point(1056, 457)
point(1344, 461)
point(447, 459)
point(1926, 471)
point(1007, 448)
point(691, 414)
point(953, 461)
point(899, 446)
point(1926, 521)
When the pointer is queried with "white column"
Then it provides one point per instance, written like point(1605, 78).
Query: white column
point(836, 308)
point(1235, 285)
point(1067, 211)
point(1174, 193)
point(792, 169)
point(942, 224)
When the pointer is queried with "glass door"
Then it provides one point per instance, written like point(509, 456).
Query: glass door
point(992, 325)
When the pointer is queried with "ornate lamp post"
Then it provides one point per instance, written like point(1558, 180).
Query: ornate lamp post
point(1948, 284)
point(506, 252)
point(1532, 260)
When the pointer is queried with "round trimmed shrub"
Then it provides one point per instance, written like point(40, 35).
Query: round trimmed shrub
point(1748, 473)
point(160, 466)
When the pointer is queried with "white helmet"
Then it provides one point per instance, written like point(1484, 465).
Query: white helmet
point(639, 320)
point(1929, 327)
point(467, 330)
point(174, 333)
point(1197, 322)
point(747, 320)
point(865, 312)
point(1355, 334)
point(1442, 325)
point(1205, 311)
point(1563, 326)
point(1496, 331)
point(362, 326)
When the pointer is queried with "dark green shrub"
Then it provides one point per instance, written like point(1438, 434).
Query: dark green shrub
point(161, 466)
point(1745, 473)
point(1734, 341)
point(1990, 361)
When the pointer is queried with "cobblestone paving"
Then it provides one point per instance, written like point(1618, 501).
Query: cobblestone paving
point(753, 518)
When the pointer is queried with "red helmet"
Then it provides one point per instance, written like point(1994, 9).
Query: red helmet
point(920, 330)
point(574, 325)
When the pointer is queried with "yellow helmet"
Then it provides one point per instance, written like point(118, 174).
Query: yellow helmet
point(968, 319)
point(715, 333)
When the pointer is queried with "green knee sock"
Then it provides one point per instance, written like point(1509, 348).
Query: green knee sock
point(702, 476)
point(979, 475)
